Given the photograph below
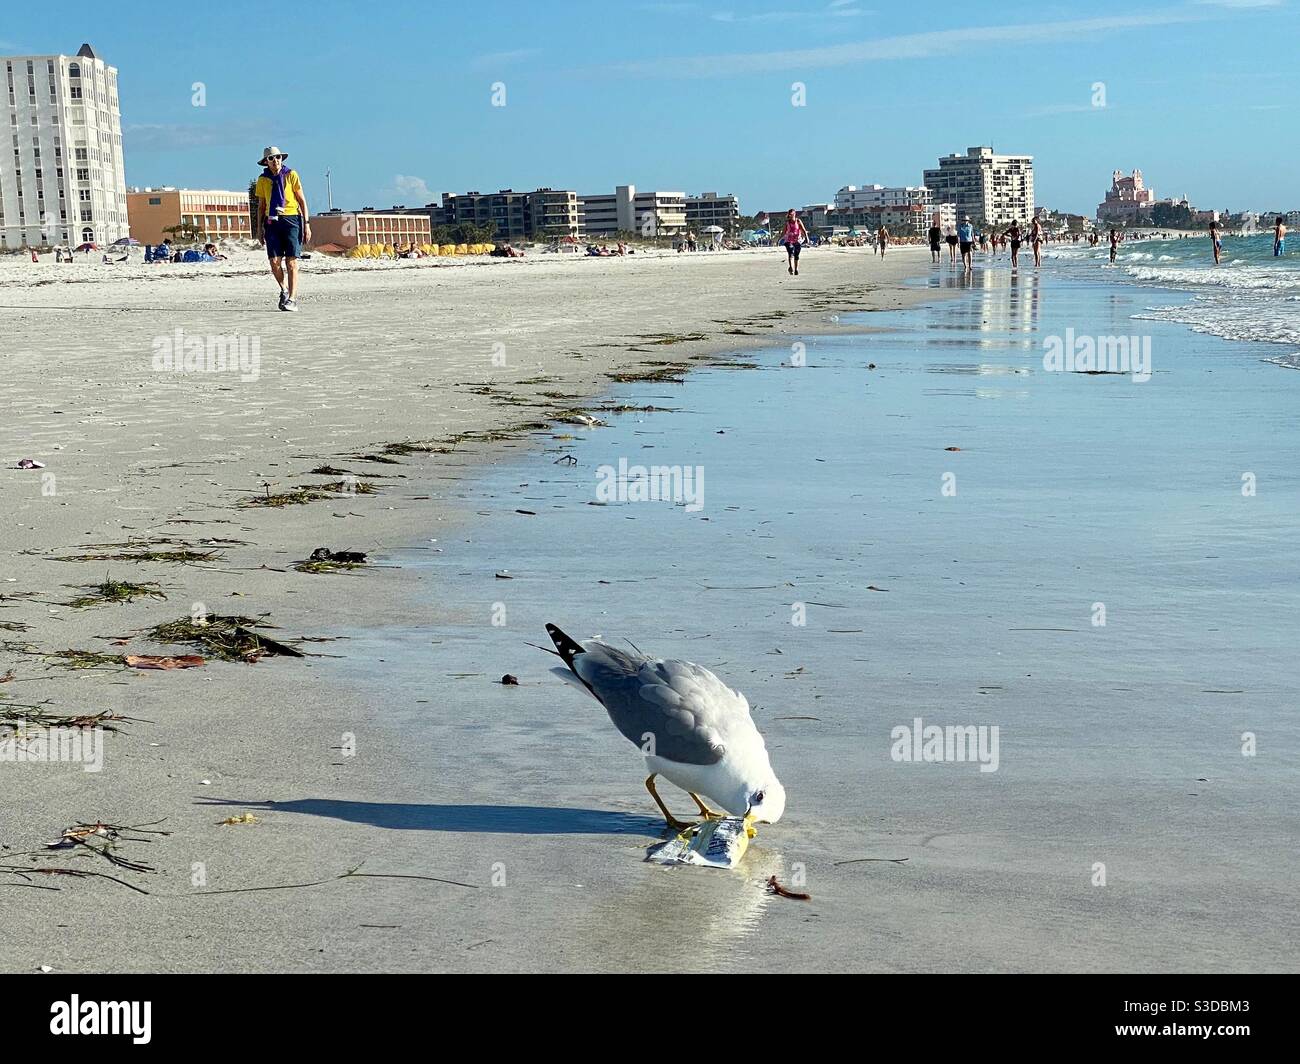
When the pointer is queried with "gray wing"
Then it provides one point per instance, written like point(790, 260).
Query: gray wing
point(685, 708)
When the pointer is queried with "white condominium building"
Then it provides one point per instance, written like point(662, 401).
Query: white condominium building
point(869, 197)
point(992, 189)
point(61, 174)
point(627, 210)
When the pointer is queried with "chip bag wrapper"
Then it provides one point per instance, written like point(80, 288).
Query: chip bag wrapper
point(713, 844)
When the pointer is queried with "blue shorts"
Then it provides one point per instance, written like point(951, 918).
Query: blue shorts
point(284, 238)
point(1279, 248)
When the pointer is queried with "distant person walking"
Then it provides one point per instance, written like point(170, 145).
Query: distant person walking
point(882, 239)
point(1114, 247)
point(966, 238)
point(794, 238)
point(951, 240)
point(1036, 241)
point(1216, 238)
point(1279, 238)
point(282, 217)
point(936, 238)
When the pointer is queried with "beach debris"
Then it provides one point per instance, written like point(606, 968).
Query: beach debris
point(84, 659)
point(565, 459)
point(872, 587)
point(527, 513)
point(867, 860)
point(44, 968)
point(227, 638)
point(8, 676)
point(115, 591)
point(143, 550)
point(775, 887)
point(348, 557)
point(151, 661)
point(871, 365)
point(504, 574)
point(244, 818)
point(509, 681)
point(717, 843)
point(952, 448)
point(30, 463)
point(98, 839)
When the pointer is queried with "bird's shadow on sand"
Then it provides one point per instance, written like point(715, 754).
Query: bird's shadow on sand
point(488, 819)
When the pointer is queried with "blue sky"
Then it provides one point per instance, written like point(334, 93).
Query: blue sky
point(396, 97)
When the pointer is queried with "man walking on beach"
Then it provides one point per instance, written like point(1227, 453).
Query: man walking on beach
point(282, 218)
point(966, 237)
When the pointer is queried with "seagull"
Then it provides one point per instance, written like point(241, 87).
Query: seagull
point(693, 729)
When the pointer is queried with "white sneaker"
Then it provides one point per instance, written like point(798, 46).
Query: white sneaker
point(289, 304)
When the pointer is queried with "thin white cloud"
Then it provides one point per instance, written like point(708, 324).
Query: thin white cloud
point(928, 45)
point(835, 9)
point(1239, 4)
point(1064, 109)
point(407, 185)
point(499, 59)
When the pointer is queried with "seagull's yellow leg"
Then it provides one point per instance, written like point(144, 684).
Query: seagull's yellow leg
point(705, 811)
point(673, 822)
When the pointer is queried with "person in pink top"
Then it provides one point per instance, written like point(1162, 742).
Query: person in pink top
point(794, 237)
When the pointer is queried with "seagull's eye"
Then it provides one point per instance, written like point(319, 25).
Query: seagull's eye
point(758, 797)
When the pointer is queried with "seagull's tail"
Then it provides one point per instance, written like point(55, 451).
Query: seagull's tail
point(567, 648)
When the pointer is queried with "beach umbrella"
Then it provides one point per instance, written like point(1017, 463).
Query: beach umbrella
point(126, 241)
point(88, 247)
point(714, 229)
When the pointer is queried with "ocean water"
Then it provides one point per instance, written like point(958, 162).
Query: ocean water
point(1251, 295)
point(829, 574)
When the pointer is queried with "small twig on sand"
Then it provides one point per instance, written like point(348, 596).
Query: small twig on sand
point(887, 860)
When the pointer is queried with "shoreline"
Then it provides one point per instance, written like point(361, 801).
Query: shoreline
point(204, 743)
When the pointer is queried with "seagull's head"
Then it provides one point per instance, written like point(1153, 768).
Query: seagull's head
point(767, 801)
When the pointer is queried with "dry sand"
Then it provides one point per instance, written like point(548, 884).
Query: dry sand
point(378, 355)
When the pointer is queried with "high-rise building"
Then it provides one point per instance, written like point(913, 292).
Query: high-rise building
point(209, 214)
point(627, 210)
point(61, 177)
point(865, 197)
point(992, 189)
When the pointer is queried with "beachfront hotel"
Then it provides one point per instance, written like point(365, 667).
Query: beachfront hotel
point(866, 197)
point(630, 211)
point(61, 176)
point(1127, 198)
point(208, 214)
point(708, 208)
point(992, 189)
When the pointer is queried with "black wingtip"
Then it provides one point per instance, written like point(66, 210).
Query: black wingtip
point(567, 648)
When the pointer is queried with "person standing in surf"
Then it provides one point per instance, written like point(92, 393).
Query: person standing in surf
point(1114, 247)
point(1279, 238)
point(282, 222)
point(1036, 241)
point(1013, 234)
point(794, 238)
point(1216, 239)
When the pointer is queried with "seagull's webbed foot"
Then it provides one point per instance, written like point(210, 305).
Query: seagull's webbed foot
point(673, 822)
point(705, 811)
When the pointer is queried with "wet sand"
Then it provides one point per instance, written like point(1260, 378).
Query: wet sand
point(137, 455)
